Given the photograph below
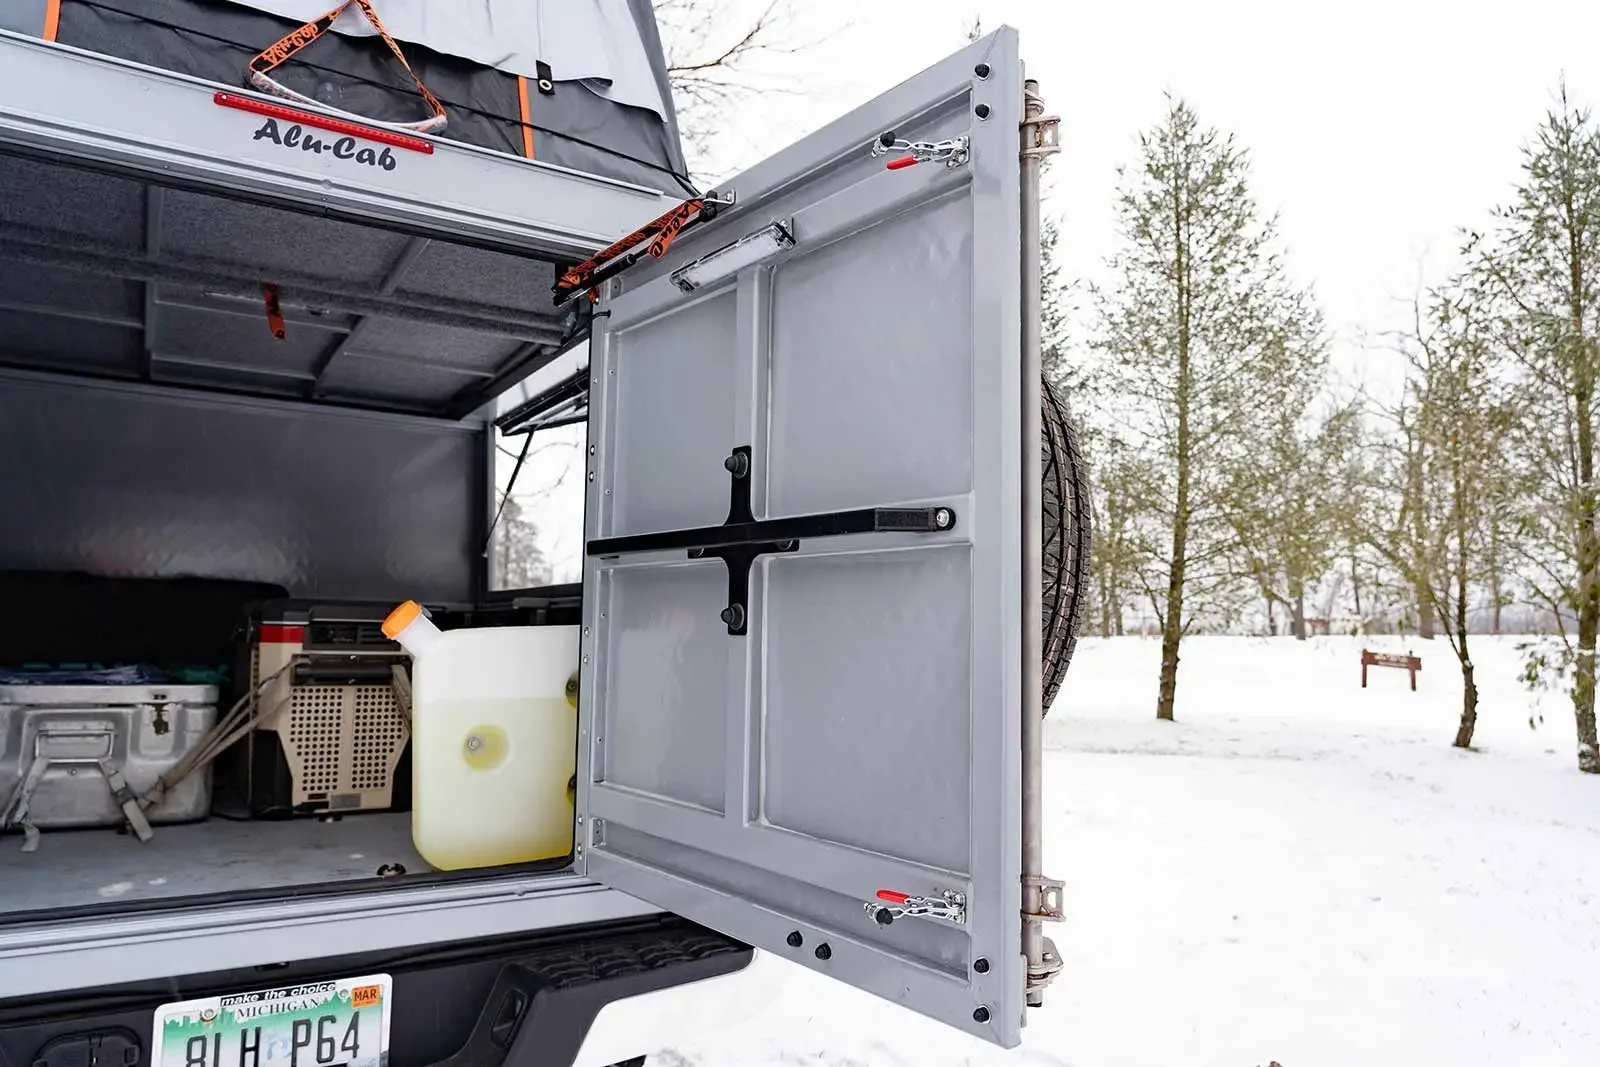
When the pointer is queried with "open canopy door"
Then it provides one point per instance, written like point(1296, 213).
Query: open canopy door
point(803, 651)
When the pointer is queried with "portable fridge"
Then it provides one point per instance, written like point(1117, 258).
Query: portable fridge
point(333, 728)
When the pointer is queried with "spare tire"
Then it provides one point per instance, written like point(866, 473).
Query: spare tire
point(1065, 541)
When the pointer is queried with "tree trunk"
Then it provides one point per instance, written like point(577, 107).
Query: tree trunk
point(1297, 591)
point(1583, 702)
point(1419, 534)
point(1355, 586)
point(1583, 685)
point(1583, 358)
point(1469, 688)
point(1469, 700)
point(1110, 608)
point(1272, 620)
point(1167, 695)
point(1496, 600)
point(1172, 621)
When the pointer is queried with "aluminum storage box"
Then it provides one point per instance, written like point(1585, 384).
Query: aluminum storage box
point(143, 730)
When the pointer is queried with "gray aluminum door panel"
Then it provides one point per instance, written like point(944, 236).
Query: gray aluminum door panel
point(864, 734)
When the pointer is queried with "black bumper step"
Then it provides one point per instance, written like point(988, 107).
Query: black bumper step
point(527, 1002)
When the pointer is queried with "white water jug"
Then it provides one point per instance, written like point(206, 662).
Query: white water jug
point(493, 740)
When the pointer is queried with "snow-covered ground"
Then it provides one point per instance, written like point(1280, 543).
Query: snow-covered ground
point(1298, 870)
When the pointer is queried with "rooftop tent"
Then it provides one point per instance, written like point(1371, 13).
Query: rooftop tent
point(576, 83)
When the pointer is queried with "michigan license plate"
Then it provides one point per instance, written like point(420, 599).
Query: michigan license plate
point(318, 1024)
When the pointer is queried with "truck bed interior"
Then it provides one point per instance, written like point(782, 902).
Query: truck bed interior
point(210, 403)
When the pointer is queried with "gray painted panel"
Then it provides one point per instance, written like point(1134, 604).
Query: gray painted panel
point(873, 711)
point(444, 345)
point(666, 694)
point(939, 947)
point(478, 274)
point(23, 16)
point(71, 292)
point(129, 482)
point(37, 958)
point(674, 418)
point(353, 375)
point(867, 665)
point(220, 339)
point(71, 344)
point(784, 854)
point(856, 426)
point(200, 226)
point(77, 202)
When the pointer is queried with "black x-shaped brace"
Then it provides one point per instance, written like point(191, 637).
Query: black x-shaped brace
point(743, 538)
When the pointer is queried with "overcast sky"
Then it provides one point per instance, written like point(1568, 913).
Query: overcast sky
point(1377, 130)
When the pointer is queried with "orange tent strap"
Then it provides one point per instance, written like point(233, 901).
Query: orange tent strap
point(52, 19)
point(527, 120)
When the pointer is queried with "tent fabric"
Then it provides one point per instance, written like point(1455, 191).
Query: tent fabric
point(574, 127)
point(582, 40)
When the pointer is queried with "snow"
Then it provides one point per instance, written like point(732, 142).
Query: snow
point(1297, 870)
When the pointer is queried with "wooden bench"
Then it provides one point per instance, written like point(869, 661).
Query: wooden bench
point(1408, 663)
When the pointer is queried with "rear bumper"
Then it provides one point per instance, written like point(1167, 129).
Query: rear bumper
point(523, 1003)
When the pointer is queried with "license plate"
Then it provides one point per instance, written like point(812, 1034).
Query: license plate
point(344, 1023)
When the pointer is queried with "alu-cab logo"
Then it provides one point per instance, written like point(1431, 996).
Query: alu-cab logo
point(295, 137)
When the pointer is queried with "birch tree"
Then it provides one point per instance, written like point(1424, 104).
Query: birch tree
point(1191, 334)
point(1542, 262)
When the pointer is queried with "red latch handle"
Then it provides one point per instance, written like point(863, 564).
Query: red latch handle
point(890, 896)
point(902, 163)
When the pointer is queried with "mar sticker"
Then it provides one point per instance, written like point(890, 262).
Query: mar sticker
point(300, 139)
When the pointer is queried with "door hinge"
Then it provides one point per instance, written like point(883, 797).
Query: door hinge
point(1049, 892)
point(1048, 907)
point(1041, 973)
point(890, 905)
point(1041, 133)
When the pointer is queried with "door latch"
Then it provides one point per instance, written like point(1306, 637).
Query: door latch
point(952, 152)
point(890, 905)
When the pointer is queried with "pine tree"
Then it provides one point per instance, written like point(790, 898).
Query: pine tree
point(1196, 335)
point(517, 561)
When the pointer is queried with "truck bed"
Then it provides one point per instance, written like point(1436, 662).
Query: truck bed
point(89, 868)
point(245, 342)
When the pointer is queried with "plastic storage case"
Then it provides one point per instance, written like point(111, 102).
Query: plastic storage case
point(58, 744)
